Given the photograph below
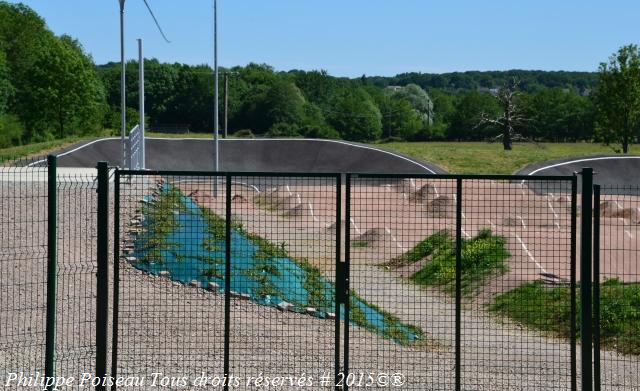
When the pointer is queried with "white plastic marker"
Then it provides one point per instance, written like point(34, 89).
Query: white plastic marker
point(555, 215)
point(526, 250)
point(524, 193)
point(353, 223)
point(626, 231)
point(312, 214)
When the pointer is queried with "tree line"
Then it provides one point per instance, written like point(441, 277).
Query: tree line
point(50, 88)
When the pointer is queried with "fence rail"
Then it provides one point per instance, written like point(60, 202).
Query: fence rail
point(335, 281)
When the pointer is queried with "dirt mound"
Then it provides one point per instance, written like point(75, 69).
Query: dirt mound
point(425, 194)
point(300, 210)
point(513, 221)
point(611, 209)
point(615, 209)
point(369, 238)
point(405, 186)
point(443, 206)
point(561, 202)
point(278, 199)
point(633, 214)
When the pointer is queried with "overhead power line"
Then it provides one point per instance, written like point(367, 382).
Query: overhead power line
point(156, 21)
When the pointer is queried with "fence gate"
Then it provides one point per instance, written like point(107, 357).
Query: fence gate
point(616, 287)
point(461, 282)
point(248, 280)
point(224, 274)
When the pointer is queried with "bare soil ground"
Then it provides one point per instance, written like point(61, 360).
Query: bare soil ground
point(179, 330)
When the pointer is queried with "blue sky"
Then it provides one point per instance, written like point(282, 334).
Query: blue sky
point(355, 37)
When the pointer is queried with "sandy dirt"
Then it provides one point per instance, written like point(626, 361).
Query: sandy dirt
point(178, 330)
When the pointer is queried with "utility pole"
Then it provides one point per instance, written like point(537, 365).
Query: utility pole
point(226, 103)
point(141, 108)
point(216, 125)
point(123, 96)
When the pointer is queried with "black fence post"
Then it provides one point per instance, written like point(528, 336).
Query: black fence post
point(574, 299)
point(596, 288)
point(227, 278)
point(458, 357)
point(116, 276)
point(52, 280)
point(339, 276)
point(345, 291)
point(102, 297)
point(585, 278)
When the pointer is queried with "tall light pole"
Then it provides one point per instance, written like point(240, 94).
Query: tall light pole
point(123, 95)
point(216, 125)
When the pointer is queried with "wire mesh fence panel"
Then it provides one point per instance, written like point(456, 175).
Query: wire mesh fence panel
point(516, 287)
point(169, 315)
point(76, 273)
point(23, 268)
point(401, 324)
point(619, 286)
point(283, 281)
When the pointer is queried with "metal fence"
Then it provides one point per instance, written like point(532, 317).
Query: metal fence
point(616, 275)
point(23, 269)
point(47, 264)
point(457, 257)
point(319, 281)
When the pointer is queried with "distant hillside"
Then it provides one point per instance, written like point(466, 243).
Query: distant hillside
point(531, 81)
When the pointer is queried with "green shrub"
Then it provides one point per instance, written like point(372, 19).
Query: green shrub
point(549, 309)
point(482, 257)
point(244, 133)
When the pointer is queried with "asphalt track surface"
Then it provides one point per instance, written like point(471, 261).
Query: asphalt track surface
point(616, 174)
point(251, 155)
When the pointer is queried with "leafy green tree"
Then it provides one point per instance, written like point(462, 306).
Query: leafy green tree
point(356, 116)
point(618, 97)
point(283, 129)
point(417, 98)
point(11, 130)
point(64, 92)
point(557, 114)
point(399, 119)
point(193, 99)
point(467, 115)
point(284, 103)
point(6, 89)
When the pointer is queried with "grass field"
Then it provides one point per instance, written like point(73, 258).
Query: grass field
point(490, 158)
point(38, 149)
point(548, 309)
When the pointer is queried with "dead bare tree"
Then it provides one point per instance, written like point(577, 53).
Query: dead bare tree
point(511, 116)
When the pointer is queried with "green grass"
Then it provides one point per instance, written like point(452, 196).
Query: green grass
point(393, 328)
point(162, 223)
point(490, 158)
point(425, 248)
point(179, 135)
point(359, 243)
point(39, 149)
point(548, 309)
point(482, 257)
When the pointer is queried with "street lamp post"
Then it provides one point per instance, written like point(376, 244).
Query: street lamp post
point(216, 125)
point(123, 95)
